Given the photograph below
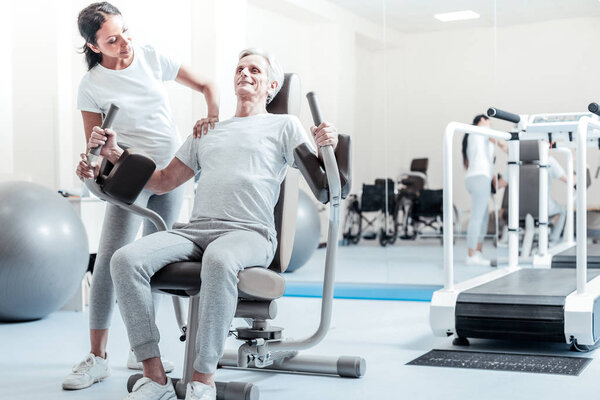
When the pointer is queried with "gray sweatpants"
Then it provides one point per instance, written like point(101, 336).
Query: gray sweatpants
point(225, 249)
point(118, 229)
point(479, 187)
point(557, 209)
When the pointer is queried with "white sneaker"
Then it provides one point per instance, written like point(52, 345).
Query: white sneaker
point(89, 371)
point(477, 259)
point(147, 389)
point(132, 363)
point(199, 391)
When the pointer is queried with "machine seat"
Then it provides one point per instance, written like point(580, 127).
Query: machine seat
point(183, 279)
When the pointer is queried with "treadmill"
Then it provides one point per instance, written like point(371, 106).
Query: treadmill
point(515, 303)
point(568, 258)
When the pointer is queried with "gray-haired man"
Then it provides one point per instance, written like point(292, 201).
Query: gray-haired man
point(243, 162)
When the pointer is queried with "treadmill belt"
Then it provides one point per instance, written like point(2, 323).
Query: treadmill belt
point(535, 363)
point(568, 258)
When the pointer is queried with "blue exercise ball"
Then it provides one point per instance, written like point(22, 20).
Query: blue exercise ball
point(308, 232)
point(43, 251)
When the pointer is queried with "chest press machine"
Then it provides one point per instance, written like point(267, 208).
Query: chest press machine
point(258, 288)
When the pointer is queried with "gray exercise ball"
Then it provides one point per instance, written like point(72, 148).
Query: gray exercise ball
point(43, 251)
point(308, 232)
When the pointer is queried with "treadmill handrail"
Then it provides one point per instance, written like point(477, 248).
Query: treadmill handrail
point(451, 129)
point(585, 123)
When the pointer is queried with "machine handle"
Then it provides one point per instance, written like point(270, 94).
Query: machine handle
point(315, 110)
point(505, 115)
point(594, 108)
point(92, 156)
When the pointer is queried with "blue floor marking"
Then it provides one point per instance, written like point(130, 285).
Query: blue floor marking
point(364, 291)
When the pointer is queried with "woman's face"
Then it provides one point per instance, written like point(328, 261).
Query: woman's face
point(112, 39)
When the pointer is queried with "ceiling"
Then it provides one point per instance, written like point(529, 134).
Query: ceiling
point(416, 16)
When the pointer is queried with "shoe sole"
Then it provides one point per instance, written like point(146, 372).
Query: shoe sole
point(79, 387)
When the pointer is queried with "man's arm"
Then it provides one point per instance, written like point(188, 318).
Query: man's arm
point(167, 179)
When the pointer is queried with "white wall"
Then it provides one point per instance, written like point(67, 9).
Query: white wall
point(6, 106)
point(451, 76)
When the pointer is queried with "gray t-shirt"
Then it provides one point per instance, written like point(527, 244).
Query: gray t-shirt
point(242, 162)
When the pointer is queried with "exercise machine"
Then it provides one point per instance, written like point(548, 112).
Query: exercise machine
point(264, 347)
point(512, 302)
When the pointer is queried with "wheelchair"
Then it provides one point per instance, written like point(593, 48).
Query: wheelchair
point(359, 217)
point(420, 209)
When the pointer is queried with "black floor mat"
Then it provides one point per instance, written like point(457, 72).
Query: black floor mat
point(558, 365)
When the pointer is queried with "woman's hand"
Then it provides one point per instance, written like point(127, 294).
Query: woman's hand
point(201, 126)
point(107, 138)
point(325, 134)
point(83, 171)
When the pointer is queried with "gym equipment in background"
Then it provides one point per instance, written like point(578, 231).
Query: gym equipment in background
point(419, 209)
point(531, 217)
point(372, 200)
point(568, 257)
point(515, 303)
point(43, 251)
point(308, 232)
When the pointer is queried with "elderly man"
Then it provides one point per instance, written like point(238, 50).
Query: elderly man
point(242, 161)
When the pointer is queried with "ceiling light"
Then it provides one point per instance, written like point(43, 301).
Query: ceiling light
point(456, 16)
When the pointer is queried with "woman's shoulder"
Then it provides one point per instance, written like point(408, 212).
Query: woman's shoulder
point(87, 79)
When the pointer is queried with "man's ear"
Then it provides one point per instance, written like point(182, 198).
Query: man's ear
point(272, 87)
point(94, 48)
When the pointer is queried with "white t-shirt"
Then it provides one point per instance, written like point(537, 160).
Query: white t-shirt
point(242, 162)
point(480, 153)
point(145, 120)
point(555, 171)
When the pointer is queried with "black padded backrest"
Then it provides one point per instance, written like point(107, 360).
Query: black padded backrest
point(529, 183)
point(419, 165)
point(287, 101)
point(288, 98)
point(529, 151)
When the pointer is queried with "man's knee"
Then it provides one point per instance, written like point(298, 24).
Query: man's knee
point(219, 267)
point(124, 264)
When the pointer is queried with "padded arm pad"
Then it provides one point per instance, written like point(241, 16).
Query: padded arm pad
point(126, 179)
point(313, 171)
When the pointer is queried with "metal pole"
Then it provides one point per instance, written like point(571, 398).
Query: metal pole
point(543, 200)
point(513, 203)
point(582, 205)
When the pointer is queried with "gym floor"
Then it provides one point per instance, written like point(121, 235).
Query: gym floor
point(35, 356)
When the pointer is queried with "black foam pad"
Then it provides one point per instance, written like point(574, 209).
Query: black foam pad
point(287, 100)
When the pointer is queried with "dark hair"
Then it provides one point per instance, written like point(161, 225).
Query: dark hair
point(89, 22)
point(465, 140)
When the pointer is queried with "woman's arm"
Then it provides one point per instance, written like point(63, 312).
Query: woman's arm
point(167, 179)
point(90, 120)
point(500, 143)
point(208, 88)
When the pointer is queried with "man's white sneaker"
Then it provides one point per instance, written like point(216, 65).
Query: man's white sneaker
point(147, 389)
point(132, 363)
point(89, 371)
point(199, 391)
point(477, 259)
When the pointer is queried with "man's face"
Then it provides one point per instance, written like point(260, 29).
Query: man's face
point(252, 77)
